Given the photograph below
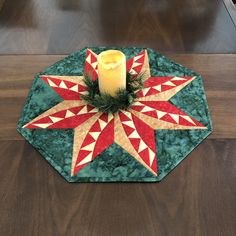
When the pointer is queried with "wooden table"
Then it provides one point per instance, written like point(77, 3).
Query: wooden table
point(63, 26)
point(197, 198)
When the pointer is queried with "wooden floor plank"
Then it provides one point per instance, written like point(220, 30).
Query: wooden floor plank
point(197, 198)
point(62, 26)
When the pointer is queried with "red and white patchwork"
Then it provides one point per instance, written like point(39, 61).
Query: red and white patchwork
point(64, 119)
point(135, 64)
point(99, 137)
point(91, 64)
point(155, 85)
point(165, 111)
point(141, 137)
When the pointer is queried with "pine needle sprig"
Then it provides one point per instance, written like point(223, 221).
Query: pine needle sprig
point(105, 102)
point(92, 85)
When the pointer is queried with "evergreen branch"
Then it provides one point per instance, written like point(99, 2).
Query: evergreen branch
point(105, 102)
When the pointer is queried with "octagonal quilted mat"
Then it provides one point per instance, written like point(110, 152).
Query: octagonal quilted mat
point(143, 143)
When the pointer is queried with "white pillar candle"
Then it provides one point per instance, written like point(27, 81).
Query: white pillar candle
point(111, 71)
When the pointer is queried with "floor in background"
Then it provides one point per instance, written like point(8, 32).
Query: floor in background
point(62, 26)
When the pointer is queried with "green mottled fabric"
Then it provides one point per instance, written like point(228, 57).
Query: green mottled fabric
point(115, 164)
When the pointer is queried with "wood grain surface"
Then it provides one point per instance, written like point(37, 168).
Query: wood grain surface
point(197, 198)
point(62, 26)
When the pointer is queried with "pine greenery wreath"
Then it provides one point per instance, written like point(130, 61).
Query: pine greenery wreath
point(105, 102)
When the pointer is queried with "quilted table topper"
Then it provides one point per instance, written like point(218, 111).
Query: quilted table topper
point(167, 120)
